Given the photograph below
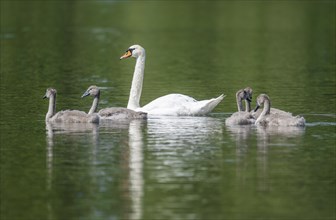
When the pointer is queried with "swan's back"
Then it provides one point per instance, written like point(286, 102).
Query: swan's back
point(178, 104)
point(74, 116)
point(118, 113)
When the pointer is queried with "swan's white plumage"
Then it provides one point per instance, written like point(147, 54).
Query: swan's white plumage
point(172, 104)
point(178, 105)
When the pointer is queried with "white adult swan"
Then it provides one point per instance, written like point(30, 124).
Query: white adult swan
point(242, 117)
point(275, 117)
point(112, 113)
point(172, 104)
point(66, 116)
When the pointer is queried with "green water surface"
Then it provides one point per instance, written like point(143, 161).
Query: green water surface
point(175, 167)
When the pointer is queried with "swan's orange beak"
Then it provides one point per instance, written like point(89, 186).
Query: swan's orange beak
point(126, 55)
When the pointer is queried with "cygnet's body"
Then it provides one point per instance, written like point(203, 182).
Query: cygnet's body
point(275, 117)
point(112, 113)
point(66, 116)
point(242, 117)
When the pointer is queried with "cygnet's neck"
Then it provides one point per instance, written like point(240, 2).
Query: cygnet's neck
point(52, 107)
point(248, 105)
point(266, 110)
point(239, 103)
point(95, 102)
point(136, 89)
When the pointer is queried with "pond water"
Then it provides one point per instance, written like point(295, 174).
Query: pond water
point(167, 167)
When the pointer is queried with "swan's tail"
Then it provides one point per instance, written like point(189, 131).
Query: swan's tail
point(209, 105)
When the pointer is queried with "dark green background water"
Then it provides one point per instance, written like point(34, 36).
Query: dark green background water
point(168, 168)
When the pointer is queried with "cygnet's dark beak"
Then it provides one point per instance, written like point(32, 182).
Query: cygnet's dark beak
point(85, 94)
point(256, 108)
point(248, 99)
point(44, 97)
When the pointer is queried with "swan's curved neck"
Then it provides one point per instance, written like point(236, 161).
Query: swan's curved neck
point(136, 89)
point(266, 110)
point(95, 102)
point(52, 106)
point(248, 106)
point(239, 103)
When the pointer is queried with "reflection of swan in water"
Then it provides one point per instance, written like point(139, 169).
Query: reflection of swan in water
point(112, 113)
point(49, 156)
point(183, 130)
point(131, 160)
point(242, 117)
point(49, 165)
point(136, 168)
point(67, 116)
point(275, 117)
point(172, 104)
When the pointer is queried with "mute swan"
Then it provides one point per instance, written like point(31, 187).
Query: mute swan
point(113, 113)
point(172, 104)
point(275, 117)
point(241, 117)
point(67, 116)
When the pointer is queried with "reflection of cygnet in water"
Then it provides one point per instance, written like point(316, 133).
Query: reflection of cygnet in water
point(281, 131)
point(242, 117)
point(275, 117)
point(112, 113)
point(70, 128)
point(240, 132)
point(67, 116)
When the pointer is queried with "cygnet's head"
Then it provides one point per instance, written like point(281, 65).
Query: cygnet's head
point(50, 92)
point(133, 51)
point(92, 91)
point(262, 98)
point(245, 94)
point(249, 92)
